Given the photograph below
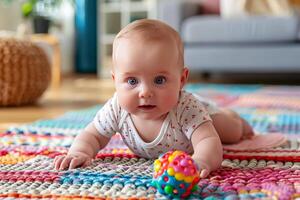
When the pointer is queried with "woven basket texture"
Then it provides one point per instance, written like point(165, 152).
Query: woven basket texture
point(24, 72)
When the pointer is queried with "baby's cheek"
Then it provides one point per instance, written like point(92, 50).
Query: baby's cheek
point(127, 102)
point(169, 100)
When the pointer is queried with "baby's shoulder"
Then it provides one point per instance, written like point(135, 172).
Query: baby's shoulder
point(112, 107)
point(187, 98)
point(186, 103)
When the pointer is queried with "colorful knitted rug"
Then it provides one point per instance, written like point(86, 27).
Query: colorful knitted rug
point(27, 152)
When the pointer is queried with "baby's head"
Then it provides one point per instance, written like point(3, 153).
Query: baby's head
point(148, 31)
point(148, 67)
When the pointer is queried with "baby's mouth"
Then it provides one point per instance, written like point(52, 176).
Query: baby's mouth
point(146, 107)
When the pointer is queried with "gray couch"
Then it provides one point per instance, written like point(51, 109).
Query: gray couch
point(256, 44)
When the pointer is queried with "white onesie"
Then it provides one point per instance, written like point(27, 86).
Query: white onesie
point(175, 133)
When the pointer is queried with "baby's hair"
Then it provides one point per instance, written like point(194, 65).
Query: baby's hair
point(151, 30)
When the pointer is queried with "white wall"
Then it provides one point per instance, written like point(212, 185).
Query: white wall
point(10, 16)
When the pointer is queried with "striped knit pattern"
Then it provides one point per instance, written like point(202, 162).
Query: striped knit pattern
point(27, 152)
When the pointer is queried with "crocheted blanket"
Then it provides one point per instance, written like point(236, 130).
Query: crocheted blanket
point(27, 152)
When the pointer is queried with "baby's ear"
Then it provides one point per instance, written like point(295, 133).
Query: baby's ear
point(184, 77)
point(112, 74)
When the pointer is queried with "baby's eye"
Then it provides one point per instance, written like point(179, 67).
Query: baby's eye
point(160, 80)
point(132, 81)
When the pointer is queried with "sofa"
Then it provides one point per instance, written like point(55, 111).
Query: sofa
point(252, 44)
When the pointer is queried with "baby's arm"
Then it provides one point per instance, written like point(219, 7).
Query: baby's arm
point(83, 149)
point(208, 151)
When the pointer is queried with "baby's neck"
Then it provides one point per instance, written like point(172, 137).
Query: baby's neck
point(148, 130)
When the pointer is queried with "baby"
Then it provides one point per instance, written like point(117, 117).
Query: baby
point(151, 110)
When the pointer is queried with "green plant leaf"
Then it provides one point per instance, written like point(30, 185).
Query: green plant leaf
point(27, 8)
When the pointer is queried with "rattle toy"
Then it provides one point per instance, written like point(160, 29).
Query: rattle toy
point(175, 174)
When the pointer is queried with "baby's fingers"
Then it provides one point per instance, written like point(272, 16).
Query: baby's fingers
point(65, 163)
point(204, 173)
point(57, 161)
point(75, 162)
point(87, 162)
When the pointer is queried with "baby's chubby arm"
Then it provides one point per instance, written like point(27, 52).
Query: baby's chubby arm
point(208, 151)
point(83, 149)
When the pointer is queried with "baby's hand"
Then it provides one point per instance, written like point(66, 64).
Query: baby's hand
point(71, 161)
point(204, 173)
point(204, 169)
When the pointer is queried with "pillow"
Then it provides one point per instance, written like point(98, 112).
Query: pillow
point(234, 8)
point(210, 7)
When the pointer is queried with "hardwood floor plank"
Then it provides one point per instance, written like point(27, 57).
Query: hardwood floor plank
point(74, 93)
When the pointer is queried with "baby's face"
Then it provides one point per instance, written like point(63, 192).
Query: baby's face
point(148, 77)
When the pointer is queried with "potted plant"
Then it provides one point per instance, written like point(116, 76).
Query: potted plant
point(41, 12)
point(35, 9)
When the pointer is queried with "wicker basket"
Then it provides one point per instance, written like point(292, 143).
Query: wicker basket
point(24, 72)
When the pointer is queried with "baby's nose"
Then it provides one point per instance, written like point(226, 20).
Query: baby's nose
point(145, 92)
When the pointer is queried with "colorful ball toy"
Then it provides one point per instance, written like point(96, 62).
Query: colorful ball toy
point(175, 174)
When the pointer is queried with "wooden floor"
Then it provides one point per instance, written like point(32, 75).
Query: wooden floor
point(76, 92)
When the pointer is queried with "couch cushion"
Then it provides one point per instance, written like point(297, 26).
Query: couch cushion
point(270, 58)
point(214, 29)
